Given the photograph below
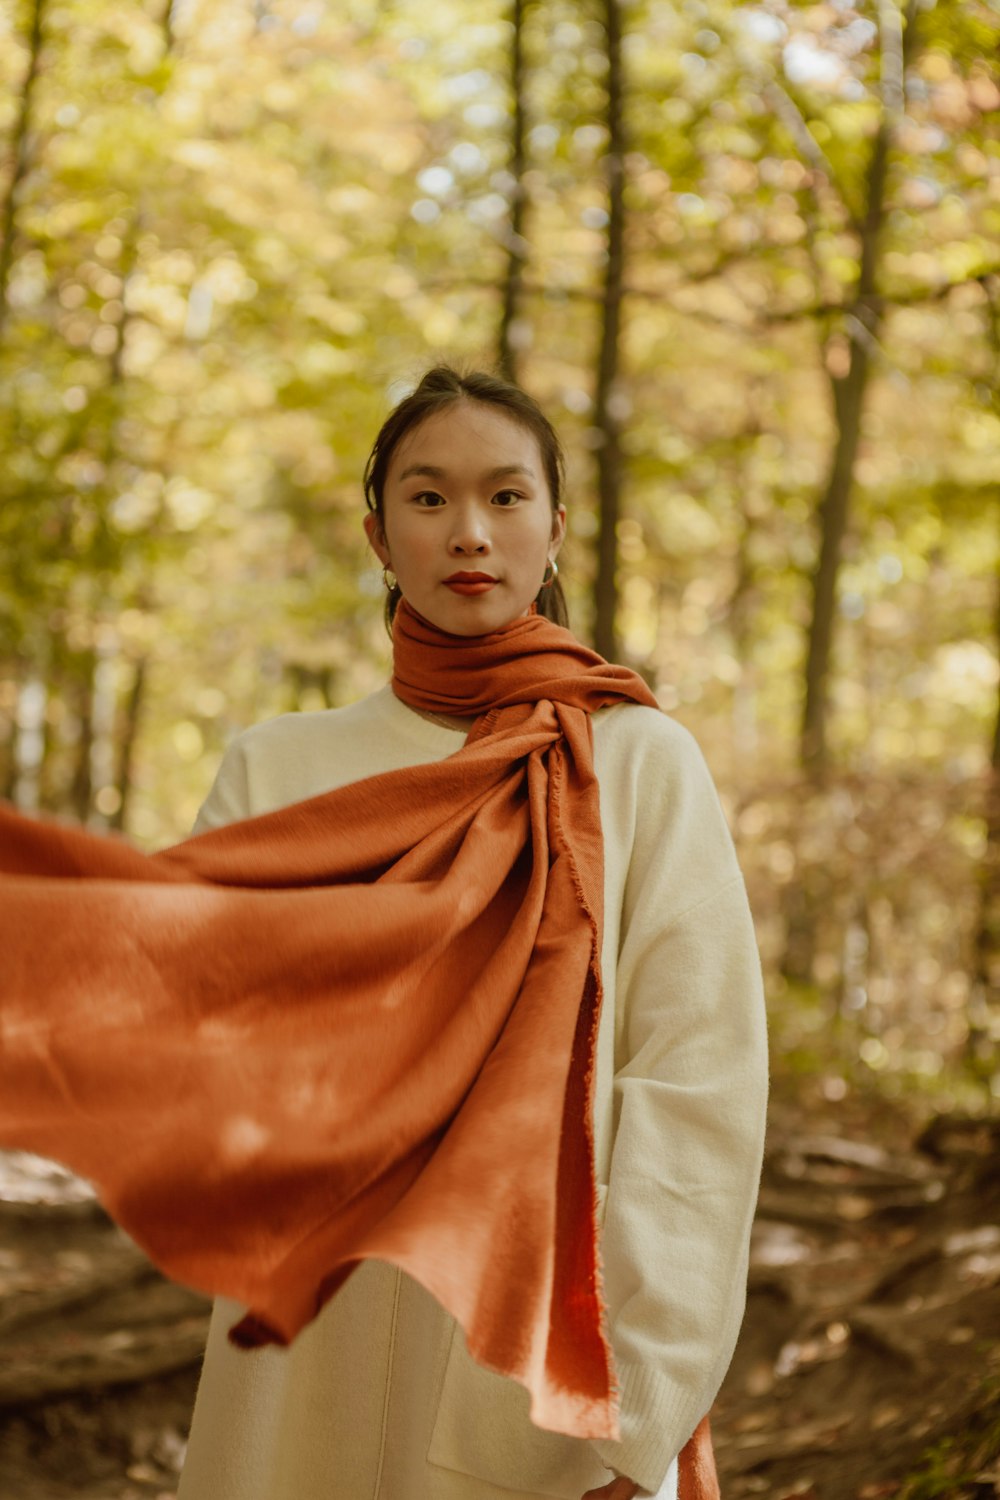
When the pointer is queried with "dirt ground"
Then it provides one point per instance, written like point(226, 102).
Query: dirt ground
point(868, 1366)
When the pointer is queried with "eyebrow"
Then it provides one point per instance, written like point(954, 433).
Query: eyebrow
point(432, 471)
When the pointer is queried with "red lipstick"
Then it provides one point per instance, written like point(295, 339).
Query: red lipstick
point(470, 583)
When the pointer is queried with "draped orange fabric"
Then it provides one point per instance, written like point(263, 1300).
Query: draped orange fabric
point(359, 1026)
point(697, 1477)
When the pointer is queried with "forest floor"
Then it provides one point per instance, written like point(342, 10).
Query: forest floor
point(868, 1366)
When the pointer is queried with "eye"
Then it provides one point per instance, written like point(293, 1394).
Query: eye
point(428, 500)
point(511, 495)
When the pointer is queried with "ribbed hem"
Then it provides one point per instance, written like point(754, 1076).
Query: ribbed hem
point(657, 1418)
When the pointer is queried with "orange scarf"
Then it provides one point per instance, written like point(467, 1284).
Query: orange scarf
point(359, 1026)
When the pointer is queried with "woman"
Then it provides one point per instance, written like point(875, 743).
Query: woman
point(379, 1397)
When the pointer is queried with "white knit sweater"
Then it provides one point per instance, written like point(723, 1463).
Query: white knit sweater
point(377, 1399)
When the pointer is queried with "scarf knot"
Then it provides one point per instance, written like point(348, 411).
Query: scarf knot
point(527, 661)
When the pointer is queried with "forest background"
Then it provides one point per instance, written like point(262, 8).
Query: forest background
point(747, 258)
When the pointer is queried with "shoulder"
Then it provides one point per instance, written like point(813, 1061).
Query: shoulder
point(658, 796)
point(288, 731)
point(645, 729)
point(294, 756)
point(643, 743)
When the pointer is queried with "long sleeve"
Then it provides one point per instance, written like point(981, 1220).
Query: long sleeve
point(690, 1096)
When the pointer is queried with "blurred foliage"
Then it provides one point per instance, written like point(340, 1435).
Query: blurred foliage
point(241, 230)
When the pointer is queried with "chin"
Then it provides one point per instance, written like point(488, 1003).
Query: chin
point(483, 617)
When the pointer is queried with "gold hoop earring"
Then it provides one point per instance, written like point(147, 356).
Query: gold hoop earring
point(388, 574)
point(549, 578)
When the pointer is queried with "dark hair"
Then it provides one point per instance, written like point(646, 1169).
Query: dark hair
point(440, 388)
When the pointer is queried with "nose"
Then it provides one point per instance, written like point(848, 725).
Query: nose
point(469, 532)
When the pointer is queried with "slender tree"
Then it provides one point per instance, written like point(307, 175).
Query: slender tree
point(986, 974)
point(509, 343)
point(79, 694)
point(607, 400)
point(99, 429)
point(21, 154)
point(850, 371)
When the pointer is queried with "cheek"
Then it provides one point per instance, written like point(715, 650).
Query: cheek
point(413, 547)
point(542, 535)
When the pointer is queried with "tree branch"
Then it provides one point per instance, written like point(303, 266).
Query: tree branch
point(808, 146)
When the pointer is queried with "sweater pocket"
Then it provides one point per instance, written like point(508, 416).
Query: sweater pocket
point(483, 1430)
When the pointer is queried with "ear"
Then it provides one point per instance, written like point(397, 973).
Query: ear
point(376, 538)
point(558, 528)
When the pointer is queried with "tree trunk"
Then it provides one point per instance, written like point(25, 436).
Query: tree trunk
point(29, 743)
point(127, 742)
point(104, 717)
point(985, 1003)
point(11, 669)
point(987, 965)
point(81, 787)
point(862, 322)
point(740, 617)
point(106, 544)
point(848, 402)
point(607, 400)
point(513, 334)
point(21, 156)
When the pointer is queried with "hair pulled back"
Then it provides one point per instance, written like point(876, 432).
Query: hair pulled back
point(441, 387)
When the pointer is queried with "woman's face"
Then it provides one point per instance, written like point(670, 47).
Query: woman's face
point(469, 524)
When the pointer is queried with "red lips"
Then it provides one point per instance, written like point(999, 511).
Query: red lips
point(470, 584)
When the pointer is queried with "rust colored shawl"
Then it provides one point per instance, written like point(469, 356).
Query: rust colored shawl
point(359, 1026)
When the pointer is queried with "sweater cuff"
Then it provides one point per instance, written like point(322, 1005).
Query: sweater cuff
point(656, 1421)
